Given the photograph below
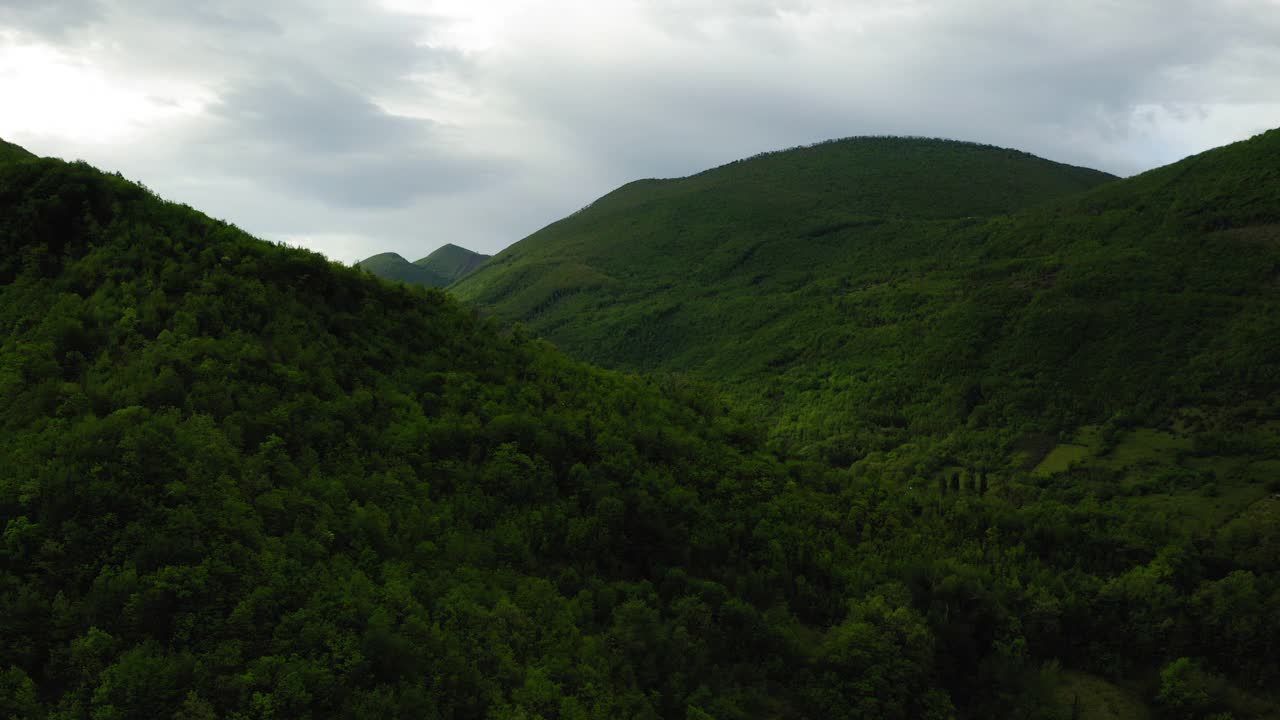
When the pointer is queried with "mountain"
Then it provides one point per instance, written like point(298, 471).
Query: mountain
point(240, 481)
point(391, 266)
point(237, 480)
point(9, 152)
point(451, 262)
point(439, 269)
point(874, 292)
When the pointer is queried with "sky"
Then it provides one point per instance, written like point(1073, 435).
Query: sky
point(354, 127)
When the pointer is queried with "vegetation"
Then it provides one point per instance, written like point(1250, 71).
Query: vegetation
point(1103, 340)
point(392, 266)
point(240, 481)
point(439, 269)
point(10, 152)
point(452, 262)
point(871, 293)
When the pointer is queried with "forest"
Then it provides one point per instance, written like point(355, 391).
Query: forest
point(242, 481)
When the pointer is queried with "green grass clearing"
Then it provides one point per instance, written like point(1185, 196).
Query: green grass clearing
point(1062, 457)
point(1146, 446)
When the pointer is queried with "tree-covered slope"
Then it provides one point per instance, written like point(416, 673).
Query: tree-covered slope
point(392, 266)
point(657, 230)
point(451, 262)
point(10, 152)
point(932, 290)
point(239, 481)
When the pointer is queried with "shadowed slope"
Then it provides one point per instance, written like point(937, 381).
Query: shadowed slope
point(440, 268)
point(391, 266)
point(451, 262)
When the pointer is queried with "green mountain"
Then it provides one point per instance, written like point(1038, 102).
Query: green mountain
point(237, 480)
point(451, 262)
point(870, 293)
point(391, 266)
point(9, 152)
point(439, 269)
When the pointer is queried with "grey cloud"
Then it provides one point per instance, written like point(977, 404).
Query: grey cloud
point(313, 116)
point(676, 14)
point(51, 19)
point(307, 132)
point(318, 138)
point(350, 42)
point(294, 83)
point(1039, 76)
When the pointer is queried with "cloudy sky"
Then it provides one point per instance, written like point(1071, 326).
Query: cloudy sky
point(360, 126)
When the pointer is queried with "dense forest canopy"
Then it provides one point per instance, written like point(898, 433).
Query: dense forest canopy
point(242, 481)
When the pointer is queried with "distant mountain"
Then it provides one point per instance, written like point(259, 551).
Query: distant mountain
point(451, 262)
point(440, 268)
point(391, 266)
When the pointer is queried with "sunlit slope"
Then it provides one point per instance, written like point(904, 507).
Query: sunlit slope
point(710, 225)
point(865, 292)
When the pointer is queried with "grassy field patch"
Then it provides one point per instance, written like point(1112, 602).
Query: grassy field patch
point(1146, 446)
point(1062, 457)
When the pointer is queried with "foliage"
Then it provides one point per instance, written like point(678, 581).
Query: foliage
point(12, 153)
point(240, 481)
point(876, 292)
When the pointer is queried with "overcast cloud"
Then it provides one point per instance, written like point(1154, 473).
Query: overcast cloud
point(361, 126)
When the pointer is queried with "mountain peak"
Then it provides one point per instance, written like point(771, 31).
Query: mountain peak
point(926, 267)
point(452, 261)
point(442, 267)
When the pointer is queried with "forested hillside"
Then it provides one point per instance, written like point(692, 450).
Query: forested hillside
point(9, 151)
point(910, 303)
point(240, 481)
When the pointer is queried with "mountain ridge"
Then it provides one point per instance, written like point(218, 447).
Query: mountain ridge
point(452, 262)
point(442, 267)
point(687, 279)
point(10, 152)
point(828, 185)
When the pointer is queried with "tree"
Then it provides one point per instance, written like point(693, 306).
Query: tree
point(1187, 692)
